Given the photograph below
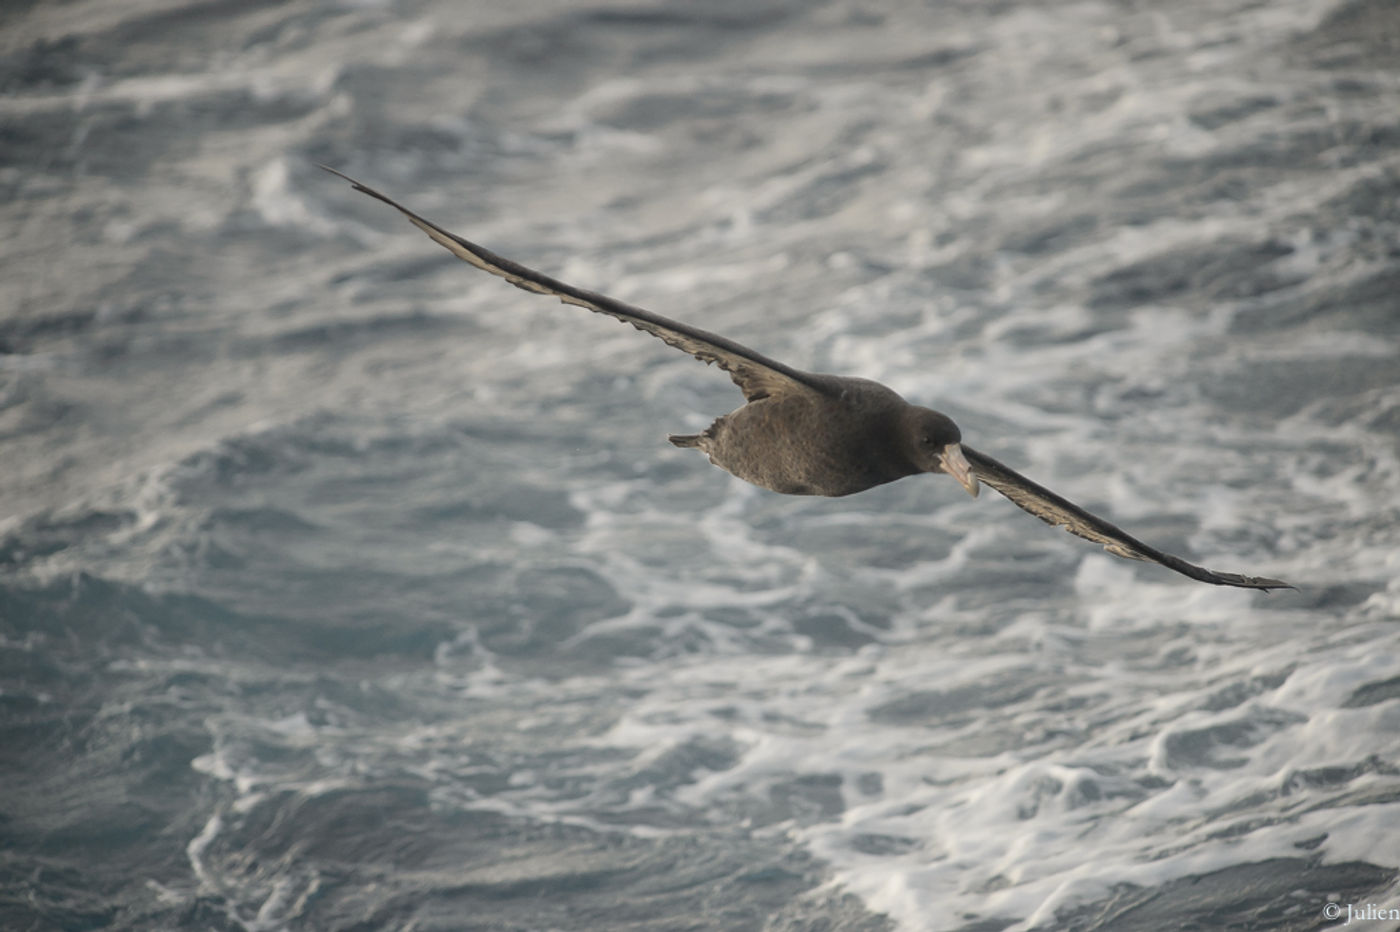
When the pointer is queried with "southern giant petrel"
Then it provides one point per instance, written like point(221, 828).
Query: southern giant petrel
point(803, 433)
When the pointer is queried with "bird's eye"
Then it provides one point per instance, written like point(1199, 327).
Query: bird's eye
point(928, 440)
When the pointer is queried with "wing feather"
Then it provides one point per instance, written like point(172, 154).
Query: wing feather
point(756, 375)
point(1057, 511)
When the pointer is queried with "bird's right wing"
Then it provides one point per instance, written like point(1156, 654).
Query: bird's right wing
point(756, 375)
point(1057, 511)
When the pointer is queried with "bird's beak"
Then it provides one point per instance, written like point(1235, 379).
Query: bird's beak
point(957, 466)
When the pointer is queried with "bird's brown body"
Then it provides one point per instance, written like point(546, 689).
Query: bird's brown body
point(810, 443)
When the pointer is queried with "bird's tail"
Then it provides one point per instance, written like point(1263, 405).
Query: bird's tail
point(685, 440)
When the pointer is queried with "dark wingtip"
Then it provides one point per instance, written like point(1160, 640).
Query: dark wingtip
point(363, 188)
point(1262, 583)
point(340, 174)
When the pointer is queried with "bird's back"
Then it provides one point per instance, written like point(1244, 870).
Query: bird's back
point(837, 441)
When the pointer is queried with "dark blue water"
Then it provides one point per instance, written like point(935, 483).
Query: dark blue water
point(345, 587)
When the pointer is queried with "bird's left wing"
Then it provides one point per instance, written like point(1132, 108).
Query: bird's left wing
point(1057, 511)
point(756, 375)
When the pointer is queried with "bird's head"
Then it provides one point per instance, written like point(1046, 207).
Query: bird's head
point(935, 445)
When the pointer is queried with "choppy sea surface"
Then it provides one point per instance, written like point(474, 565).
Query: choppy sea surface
point(345, 587)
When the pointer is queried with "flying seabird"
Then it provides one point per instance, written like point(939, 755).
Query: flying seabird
point(803, 433)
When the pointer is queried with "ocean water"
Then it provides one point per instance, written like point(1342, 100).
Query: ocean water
point(343, 586)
